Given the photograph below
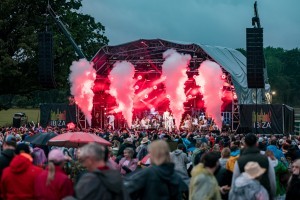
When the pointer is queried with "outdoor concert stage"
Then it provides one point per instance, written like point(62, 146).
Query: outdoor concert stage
point(147, 58)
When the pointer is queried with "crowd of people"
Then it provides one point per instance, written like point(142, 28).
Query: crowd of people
point(151, 164)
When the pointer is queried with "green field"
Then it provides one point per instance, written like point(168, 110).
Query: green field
point(6, 116)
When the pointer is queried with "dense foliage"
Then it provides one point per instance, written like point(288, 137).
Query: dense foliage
point(20, 23)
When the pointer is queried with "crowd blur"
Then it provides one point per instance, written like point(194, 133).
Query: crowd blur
point(151, 164)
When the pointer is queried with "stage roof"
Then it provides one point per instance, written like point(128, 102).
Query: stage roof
point(146, 54)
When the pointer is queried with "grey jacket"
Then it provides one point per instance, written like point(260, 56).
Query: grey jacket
point(180, 159)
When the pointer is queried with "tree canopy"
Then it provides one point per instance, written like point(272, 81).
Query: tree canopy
point(20, 23)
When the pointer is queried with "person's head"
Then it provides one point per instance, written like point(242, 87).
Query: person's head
point(254, 170)
point(159, 152)
point(216, 148)
point(210, 161)
point(270, 154)
point(10, 142)
point(92, 156)
point(22, 148)
point(55, 158)
point(128, 153)
point(296, 167)
point(180, 147)
point(250, 140)
point(225, 152)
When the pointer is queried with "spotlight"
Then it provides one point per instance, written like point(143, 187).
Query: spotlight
point(139, 77)
point(154, 87)
point(234, 96)
point(146, 96)
point(190, 96)
point(223, 76)
point(168, 96)
point(136, 87)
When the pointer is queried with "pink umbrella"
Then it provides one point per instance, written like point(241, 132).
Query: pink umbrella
point(76, 139)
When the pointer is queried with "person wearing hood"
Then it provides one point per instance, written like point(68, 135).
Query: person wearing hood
point(9, 146)
point(180, 159)
point(17, 181)
point(247, 186)
point(159, 181)
point(100, 182)
point(234, 155)
point(276, 151)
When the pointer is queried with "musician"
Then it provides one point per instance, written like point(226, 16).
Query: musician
point(111, 121)
point(165, 118)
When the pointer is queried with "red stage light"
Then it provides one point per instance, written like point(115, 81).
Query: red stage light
point(154, 87)
point(146, 96)
point(139, 77)
point(168, 96)
point(190, 96)
point(136, 87)
point(223, 76)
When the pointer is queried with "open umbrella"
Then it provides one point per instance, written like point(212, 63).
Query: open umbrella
point(76, 139)
point(40, 138)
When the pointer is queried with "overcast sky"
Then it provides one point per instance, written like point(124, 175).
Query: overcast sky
point(212, 22)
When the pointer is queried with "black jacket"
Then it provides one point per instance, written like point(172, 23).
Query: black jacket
point(5, 158)
point(155, 183)
point(293, 190)
point(253, 154)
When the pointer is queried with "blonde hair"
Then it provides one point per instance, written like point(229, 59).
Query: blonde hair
point(225, 152)
point(51, 172)
point(159, 152)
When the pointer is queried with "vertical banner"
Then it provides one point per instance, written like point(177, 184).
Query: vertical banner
point(57, 115)
point(289, 119)
point(262, 119)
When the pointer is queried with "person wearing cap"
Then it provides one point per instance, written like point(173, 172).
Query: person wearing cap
point(17, 181)
point(247, 185)
point(53, 183)
point(251, 153)
point(9, 146)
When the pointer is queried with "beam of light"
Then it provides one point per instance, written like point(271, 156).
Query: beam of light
point(210, 82)
point(174, 69)
point(122, 88)
point(82, 78)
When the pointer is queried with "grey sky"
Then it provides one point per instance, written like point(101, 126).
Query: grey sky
point(212, 22)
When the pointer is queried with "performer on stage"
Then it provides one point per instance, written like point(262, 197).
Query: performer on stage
point(170, 123)
point(165, 118)
point(111, 121)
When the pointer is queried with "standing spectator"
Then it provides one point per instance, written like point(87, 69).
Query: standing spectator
point(277, 152)
point(281, 172)
point(159, 181)
point(100, 182)
point(128, 164)
point(18, 179)
point(234, 156)
point(9, 146)
point(203, 183)
point(225, 154)
point(142, 150)
point(180, 159)
point(293, 190)
point(39, 157)
point(53, 183)
point(252, 153)
point(247, 186)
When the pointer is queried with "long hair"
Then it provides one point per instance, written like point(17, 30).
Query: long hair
point(51, 172)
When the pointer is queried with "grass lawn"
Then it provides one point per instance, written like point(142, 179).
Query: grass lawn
point(6, 116)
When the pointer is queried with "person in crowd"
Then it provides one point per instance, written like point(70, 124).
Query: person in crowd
point(203, 183)
point(234, 155)
point(247, 185)
point(53, 183)
point(17, 181)
point(39, 157)
point(216, 149)
point(276, 151)
point(128, 164)
point(128, 142)
point(158, 181)
point(142, 150)
point(100, 182)
point(198, 154)
point(180, 159)
point(293, 189)
point(9, 146)
point(252, 153)
point(225, 154)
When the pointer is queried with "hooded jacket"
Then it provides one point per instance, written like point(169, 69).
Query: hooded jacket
point(180, 159)
point(5, 158)
point(246, 188)
point(203, 185)
point(155, 182)
point(18, 179)
point(100, 184)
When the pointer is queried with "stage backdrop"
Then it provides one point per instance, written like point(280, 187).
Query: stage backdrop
point(57, 114)
point(267, 119)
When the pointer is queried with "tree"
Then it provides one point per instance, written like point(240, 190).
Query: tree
point(20, 23)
